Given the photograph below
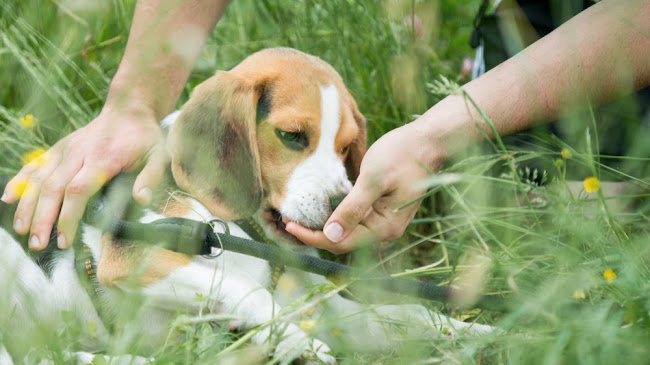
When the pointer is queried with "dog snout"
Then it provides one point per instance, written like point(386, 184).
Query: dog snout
point(335, 200)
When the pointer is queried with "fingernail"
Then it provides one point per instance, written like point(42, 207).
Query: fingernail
point(18, 225)
point(34, 243)
point(5, 198)
point(145, 194)
point(334, 232)
point(61, 242)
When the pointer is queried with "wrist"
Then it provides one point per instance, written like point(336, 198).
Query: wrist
point(122, 105)
point(445, 129)
point(152, 91)
point(128, 104)
point(127, 95)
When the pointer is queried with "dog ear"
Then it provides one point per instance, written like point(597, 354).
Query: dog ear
point(358, 147)
point(214, 148)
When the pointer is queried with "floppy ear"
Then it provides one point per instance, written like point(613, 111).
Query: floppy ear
point(214, 148)
point(358, 147)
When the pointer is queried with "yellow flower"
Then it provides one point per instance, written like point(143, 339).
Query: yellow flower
point(307, 325)
point(28, 121)
point(18, 188)
point(579, 294)
point(591, 184)
point(335, 332)
point(566, 154)
point(36, 156)
point(609, 275)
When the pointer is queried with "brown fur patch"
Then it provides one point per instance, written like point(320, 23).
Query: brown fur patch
point(357, 149)
point(135, 263)
point(176, 206)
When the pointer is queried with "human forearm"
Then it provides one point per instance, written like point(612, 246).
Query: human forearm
point(164, 42)
point(598, 55)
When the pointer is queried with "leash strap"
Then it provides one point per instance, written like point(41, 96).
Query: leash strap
point(201, 238)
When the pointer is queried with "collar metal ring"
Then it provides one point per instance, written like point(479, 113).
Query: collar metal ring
point(226, 230)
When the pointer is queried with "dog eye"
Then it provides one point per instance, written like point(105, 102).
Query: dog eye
point(295, 141)
point(345, 150)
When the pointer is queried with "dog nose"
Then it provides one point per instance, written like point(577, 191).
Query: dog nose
point(336, 200)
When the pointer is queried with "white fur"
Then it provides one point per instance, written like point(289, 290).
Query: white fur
point(320, 176)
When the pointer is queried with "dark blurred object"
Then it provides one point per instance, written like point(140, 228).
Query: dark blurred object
point(623, 125)
point(543, 15)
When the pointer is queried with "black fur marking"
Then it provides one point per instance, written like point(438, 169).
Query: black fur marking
point(218, 195)
point(184, 164)
point(231, 142)
point(45, 258)
point(263, 106)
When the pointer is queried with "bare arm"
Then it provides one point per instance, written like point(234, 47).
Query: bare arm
point(600, 54)
point(165, 40)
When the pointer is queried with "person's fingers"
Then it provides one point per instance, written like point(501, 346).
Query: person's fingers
point(352, 209)
point(360, 236)
point(16, 186)
point(150, 177)
point(49, 203)
point(84, 185)
point(386, 224)
point(29, 197)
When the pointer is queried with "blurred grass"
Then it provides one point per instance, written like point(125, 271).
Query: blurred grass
point(545, 248)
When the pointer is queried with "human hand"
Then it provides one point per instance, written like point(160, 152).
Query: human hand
point(77, 166)
point(370, 212)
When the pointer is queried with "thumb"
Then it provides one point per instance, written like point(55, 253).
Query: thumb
point(149, 178)
point(352, 209)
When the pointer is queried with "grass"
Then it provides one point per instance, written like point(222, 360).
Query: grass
point(545, 248)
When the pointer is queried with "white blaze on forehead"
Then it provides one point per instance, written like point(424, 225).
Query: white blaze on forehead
point(322, 175)
point(330, 119)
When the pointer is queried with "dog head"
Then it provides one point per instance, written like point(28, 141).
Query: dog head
point(278, 136)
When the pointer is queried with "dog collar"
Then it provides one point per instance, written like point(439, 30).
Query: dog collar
point(87, 274)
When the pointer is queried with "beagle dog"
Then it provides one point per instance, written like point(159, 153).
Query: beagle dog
point(278, 138)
